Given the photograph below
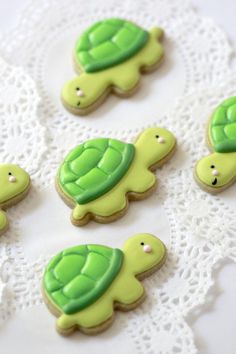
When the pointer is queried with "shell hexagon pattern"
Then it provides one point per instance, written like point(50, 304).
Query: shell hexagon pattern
point(15, 183)
point(84, 284)
point(217, 171)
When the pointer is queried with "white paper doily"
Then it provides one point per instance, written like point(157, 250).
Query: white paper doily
point(198, 228)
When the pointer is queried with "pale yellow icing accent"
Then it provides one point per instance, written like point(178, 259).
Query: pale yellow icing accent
point(125, 289)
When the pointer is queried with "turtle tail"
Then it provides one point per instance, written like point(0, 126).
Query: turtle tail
point(157, 32)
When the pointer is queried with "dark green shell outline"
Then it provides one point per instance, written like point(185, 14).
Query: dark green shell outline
point(108, 43)
point(94, 168)
point(222, 128)
point(78, 276)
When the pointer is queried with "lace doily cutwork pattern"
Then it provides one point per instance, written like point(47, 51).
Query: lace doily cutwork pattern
point(199, 239)
point(22, 142)
point(22, 136)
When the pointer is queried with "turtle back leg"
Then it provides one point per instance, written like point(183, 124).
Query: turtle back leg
point(129, 292)
point(3, 221)
point(136, 184)
point(93, 319)
point(108, 206)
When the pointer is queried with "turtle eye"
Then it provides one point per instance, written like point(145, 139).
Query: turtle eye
point(212, 166)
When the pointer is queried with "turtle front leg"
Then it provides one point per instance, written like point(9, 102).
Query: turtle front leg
point(126, 81)
point(129, 293)
point(3, 222)
point(144, 183)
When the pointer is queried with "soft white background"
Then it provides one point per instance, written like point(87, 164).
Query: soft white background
point(215, 326)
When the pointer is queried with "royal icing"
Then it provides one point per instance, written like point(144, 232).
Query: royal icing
point(87, 272)
point(161, 140)
point(147, 248)
point(109, 175)
point(103, 68)
point(14, 182)
point(12, 179)
point(108, 43)
point(3, 221)
point(79, 93)
point(215, 173)
point(94, 168)
point(218, 170)
point(225, 168)
point(83, 283)
point(222, 129)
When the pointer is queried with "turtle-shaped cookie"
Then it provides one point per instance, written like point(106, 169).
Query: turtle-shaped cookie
point(217, 171)
point(14, 185)
point(109, 57)
point(84, 284)
point(98, 177)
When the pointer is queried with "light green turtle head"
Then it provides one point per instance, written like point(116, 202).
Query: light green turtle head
point(144, 252)
point(13, 181)
point(83, 91)
point(155, 144)
point(216, 170)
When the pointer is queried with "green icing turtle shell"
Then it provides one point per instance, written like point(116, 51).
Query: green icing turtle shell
point(223, 127)
point(108, 43)
point(78, 276)
point(93, 168)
